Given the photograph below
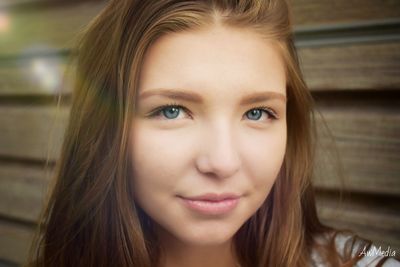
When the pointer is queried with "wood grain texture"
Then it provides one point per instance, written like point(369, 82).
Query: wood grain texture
point(22, 190)
point(35, 77)
point(368, 146)
point(352, 67)
point(10, 3)
point(15, 241)
point(46, 29)
point(31, 132)
point(311, 12)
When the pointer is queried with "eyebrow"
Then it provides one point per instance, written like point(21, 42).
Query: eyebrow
point(196, 98)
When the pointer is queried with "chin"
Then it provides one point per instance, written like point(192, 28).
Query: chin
point(208, 237)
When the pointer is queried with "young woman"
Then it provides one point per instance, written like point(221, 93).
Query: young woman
point(190, 143)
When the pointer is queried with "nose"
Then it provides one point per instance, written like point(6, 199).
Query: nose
point(219, 156)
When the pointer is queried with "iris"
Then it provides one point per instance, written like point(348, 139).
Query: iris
point(254, 114)
point(171, 112)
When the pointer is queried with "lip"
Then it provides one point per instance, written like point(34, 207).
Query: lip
point(211, 204)
point(213, 197)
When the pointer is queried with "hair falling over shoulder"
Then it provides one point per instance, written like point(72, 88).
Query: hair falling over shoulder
point(91, 218)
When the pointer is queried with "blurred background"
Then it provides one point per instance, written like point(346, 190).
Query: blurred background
point(350, 56)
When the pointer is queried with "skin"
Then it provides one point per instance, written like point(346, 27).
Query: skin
point(217, 145)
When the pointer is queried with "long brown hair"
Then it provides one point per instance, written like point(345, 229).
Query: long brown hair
point(91, 218)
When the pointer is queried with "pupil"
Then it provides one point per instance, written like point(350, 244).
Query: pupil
point(171, 112)
point(255, 114)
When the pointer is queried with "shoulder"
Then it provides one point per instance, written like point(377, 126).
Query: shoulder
point(351, 250)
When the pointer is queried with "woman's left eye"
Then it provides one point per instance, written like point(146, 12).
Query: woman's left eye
point(256, 113)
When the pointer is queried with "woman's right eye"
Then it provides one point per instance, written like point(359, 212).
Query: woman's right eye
point(169, 112)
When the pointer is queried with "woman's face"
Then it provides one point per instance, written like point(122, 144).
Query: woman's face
point(222, 140)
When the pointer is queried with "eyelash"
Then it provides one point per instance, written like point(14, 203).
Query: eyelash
point(271, 113)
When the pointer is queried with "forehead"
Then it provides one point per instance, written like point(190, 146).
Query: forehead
point(216, 60)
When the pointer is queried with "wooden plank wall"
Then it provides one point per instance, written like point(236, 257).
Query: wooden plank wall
point(350, 56)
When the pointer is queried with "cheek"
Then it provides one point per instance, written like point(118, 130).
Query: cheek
point(264, 158)
point(149, 156)
point(158, 159)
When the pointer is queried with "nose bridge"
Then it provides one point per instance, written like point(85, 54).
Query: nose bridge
point(220, 155)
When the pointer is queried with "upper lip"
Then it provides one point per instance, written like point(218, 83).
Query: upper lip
point(214, 197)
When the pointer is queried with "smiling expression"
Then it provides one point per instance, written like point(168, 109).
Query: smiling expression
point(211, 118)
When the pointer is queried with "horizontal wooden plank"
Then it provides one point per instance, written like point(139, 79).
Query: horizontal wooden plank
point(32, 132)
point(387, 30)
point(367, 140)
point(55, 27)
point(308, 12)
point(35, 76)
point(48, 29)
point(7, 264)
point(22, 190)
point(15, 241)
point(350, 67)
point(370, 217)
point(11, 3)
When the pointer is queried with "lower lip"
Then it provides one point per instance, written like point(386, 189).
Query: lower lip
point(211, 207)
